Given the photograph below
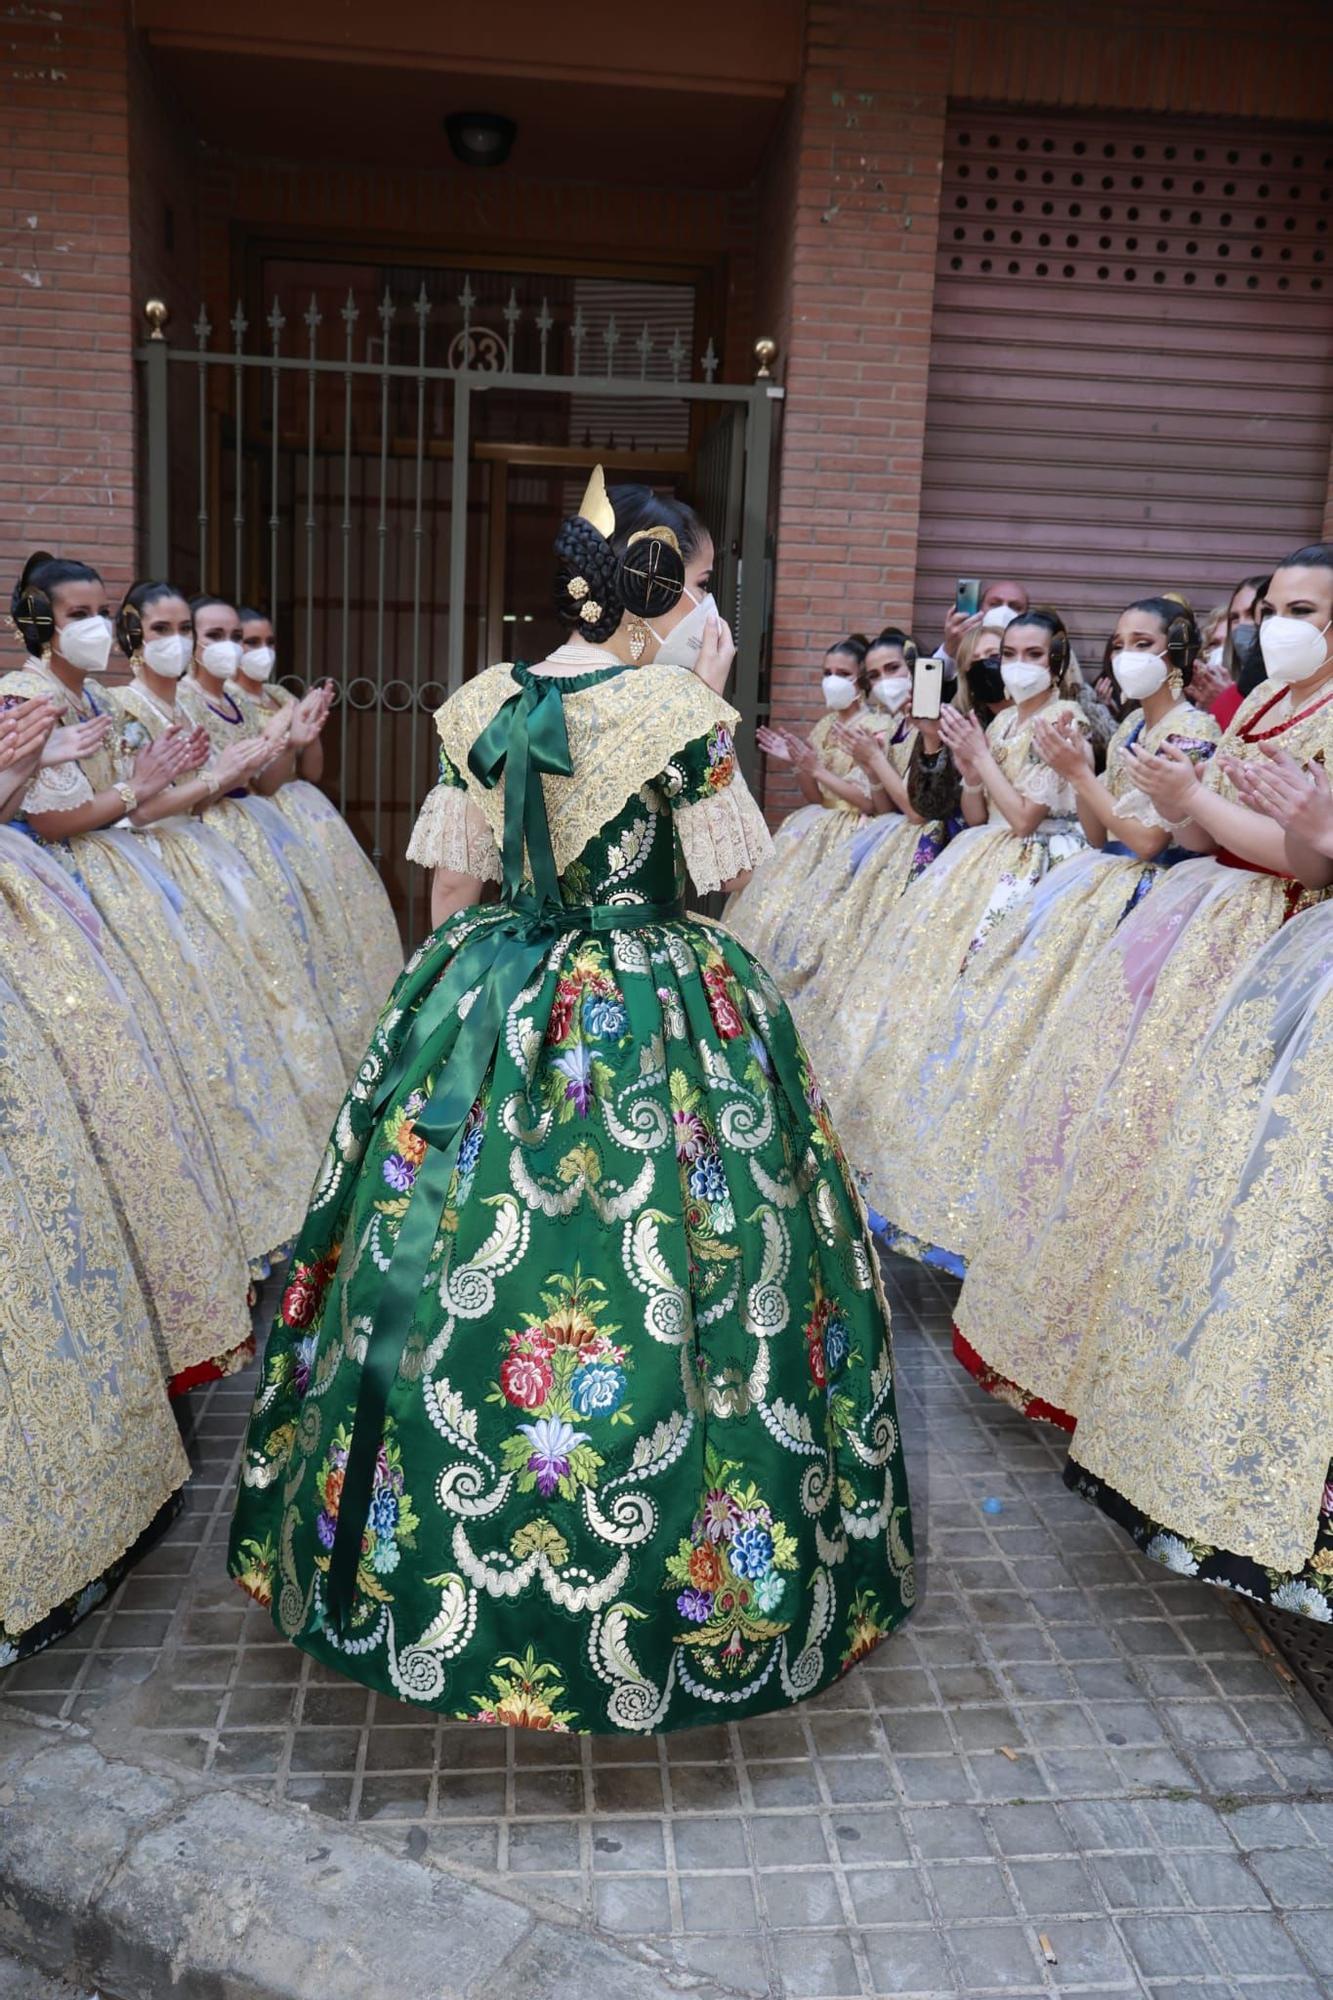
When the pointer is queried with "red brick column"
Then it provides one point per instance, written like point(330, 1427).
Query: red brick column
point(863, 208)
point(66, 333)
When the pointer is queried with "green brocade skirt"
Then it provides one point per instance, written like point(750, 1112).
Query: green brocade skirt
point(578, 1412)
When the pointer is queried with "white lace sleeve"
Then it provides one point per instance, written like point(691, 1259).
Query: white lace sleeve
point(451, 833)
point(58, 788)
point(721, 835)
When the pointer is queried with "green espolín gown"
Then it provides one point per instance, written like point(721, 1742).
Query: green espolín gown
point(578, 1412)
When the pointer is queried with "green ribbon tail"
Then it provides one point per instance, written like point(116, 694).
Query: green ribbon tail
point(511, 962)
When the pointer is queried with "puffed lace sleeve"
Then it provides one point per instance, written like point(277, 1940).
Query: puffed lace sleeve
point(1044, 786)
point(57, 788)
point(450, 831)
point(722, 830)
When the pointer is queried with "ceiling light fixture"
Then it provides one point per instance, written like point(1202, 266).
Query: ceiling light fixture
point(480, 138)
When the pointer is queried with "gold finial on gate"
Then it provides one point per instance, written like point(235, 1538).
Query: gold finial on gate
point(157, 313)
point(765, 353)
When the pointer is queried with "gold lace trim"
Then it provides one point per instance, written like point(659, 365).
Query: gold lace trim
point(450, 833)
point(722, 836)
point(622, 734)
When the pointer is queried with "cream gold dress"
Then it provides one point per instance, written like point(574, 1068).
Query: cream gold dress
point(1206, 1421)
point(89, 1450)
point(293, 870)
point(876, 1039)
point(1063, 1198)
point(187, 968)
point(366, 912)
point(104, 1033)
point(975, 1040)
point(773, 904)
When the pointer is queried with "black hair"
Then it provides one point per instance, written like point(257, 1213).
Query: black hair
point(583, 554)
point(1318, 555)
point(139, 598)
point(1048, 621)
point(1258, 584)
point(203, 598)
point(855, 646)
point(1184, 640)
point(891, 635)
point(249, 614)
point(30, 600)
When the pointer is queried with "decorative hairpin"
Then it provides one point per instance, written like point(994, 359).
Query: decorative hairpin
point(596, 505)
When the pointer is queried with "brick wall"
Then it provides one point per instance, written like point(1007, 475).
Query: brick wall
point(66, 424)
point(863, 206)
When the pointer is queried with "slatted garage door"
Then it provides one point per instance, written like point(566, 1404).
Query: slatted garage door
point(1131, 381)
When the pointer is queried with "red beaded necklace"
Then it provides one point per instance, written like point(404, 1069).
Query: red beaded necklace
point(1250, 731)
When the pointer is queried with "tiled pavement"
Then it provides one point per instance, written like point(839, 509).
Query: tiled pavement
point(1071, 1773)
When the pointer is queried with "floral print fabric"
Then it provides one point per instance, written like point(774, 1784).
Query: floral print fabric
point(641, 1464)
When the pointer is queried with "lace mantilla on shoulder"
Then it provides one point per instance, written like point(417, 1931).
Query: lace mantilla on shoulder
point(623, 732)
point(722, 835)
point(451, 833)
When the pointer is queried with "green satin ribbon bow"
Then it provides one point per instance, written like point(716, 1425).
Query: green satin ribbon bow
point(525, 738)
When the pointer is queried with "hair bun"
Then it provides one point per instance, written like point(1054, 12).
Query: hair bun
point(587, 581)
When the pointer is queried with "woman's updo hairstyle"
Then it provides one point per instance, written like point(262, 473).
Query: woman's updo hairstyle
point(30, 604)
point(639, 566)
point(1061, 653)
point(140, 597)
point(1184, 640)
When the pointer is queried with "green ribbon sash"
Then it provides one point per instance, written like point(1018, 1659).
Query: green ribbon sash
point(527, 737)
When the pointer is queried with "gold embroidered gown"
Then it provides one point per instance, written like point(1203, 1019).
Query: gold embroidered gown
point(978, 1035)
point(367, 914)
point(773, 902)
point(1062, 1200)
point(190, 970)
point(876, 1039)
point(797, 951)
point(89, 1450)
point(1207, 1418)
point(115, 1053)
point(268, 1005)
point(292, 869)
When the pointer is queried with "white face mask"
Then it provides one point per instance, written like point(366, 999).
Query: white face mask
point(999, 618)
point(1139, 674)
point(893, 692)
point(168, 657)
point(680, 648)
point(839, 691)
point(85, 643)
point(1293, 648)
point(222, 658)
point(1023, 678)
point(257, 662)
point(1215, 656)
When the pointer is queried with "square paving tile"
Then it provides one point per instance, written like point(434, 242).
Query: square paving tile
point(1065, 1742)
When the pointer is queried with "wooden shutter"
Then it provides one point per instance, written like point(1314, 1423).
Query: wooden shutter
point(1131, 383)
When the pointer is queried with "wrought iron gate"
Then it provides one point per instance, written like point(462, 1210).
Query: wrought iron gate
point(316, 485)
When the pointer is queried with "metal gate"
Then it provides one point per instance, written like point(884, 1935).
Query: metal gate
point(346, 492)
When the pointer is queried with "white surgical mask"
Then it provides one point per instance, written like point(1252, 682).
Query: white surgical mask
point(839, 691)
point(999, 618)
point(893, 692)
point(682, 644)
point(257, 662)
point(1023, 678)
point(222, 658)
point(169, 657)
point(1215, 656)
point(86, 644)
point(1293, 648)
point(1139, 674)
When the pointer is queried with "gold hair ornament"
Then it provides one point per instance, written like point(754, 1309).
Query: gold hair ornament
point(596, 505)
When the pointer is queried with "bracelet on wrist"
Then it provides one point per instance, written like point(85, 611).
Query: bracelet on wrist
point(974, 789)
point(129, 798)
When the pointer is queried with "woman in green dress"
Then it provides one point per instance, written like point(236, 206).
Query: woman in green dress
point(579, 1410)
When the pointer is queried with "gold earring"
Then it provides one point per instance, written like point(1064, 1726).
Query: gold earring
point(637, 637)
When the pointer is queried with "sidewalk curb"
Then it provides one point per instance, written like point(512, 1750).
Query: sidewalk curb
point(145, 1883)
